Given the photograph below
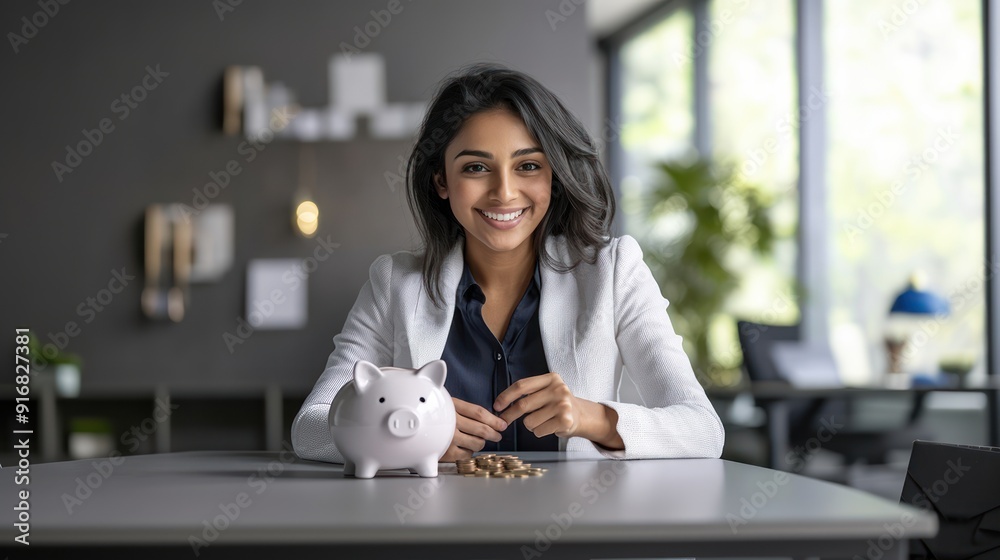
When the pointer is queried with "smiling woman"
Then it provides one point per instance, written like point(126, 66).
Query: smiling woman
point(499, 201)
point(521, 290)
point(537, 132)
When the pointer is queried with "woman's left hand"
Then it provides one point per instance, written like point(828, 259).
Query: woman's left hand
point(547, 404)
point(548, 407)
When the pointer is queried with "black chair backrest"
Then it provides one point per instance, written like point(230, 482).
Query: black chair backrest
point(756, 340)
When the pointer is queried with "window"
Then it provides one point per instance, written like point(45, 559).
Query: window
point(754, 122)
point(656, 117)
point(747, 52)
point(904, 188)
point(904, 171)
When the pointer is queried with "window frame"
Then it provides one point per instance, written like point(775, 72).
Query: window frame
point(811, 268)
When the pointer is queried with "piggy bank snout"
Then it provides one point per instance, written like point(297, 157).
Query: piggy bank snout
point(403, 423)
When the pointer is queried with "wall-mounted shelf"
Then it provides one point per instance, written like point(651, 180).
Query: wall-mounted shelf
point(262, 111)
point(159, 421)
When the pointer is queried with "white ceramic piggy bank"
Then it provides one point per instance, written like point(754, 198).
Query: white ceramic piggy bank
point(393, 418)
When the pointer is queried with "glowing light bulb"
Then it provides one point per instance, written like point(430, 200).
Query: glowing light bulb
point(307, 218)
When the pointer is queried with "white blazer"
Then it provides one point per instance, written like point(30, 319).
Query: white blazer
point(595, 320)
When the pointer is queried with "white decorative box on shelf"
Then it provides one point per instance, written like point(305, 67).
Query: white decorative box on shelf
point(263, 111)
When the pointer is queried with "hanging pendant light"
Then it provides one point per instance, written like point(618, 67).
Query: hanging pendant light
point(305, 218)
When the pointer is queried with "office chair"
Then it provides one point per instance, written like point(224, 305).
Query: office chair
point(805, 416)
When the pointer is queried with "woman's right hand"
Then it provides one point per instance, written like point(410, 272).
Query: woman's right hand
point(473, 426)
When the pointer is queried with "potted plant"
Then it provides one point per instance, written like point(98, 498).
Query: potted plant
point(698, 217)
point(65, 367)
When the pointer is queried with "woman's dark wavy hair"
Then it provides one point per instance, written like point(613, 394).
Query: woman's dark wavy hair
point(582, 204)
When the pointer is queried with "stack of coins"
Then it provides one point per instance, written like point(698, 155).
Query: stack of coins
point(466, 466)
point(491, 465)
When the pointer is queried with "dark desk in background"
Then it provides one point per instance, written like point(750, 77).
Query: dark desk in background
point(775, 396)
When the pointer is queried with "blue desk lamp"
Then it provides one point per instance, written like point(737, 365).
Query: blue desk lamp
point(912, 303)
point(915, 301)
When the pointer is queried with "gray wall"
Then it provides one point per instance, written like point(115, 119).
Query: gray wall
point(63, 239)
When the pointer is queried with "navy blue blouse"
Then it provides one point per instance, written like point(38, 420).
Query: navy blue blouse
point(480, 367)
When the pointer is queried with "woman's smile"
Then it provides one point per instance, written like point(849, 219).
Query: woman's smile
point(501, 218)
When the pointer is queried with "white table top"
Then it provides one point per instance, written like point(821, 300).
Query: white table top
point(167, 498)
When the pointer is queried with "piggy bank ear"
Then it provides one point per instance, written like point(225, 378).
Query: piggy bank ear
point(364, 374)
point(436, 371)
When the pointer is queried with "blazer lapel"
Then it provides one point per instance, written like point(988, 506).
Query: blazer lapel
point(433, 323)
point(557, 316)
